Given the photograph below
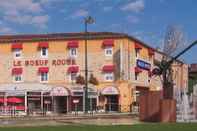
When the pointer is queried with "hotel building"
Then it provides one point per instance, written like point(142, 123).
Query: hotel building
point(39, 72)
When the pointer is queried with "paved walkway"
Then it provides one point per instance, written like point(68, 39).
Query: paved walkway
point(96, 119)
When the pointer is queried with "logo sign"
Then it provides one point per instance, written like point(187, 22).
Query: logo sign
point(144, 65)
point(75, 101)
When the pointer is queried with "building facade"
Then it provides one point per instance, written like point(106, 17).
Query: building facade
point(39, 72)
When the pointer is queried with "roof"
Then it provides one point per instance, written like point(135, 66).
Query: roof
point(65, 36)
point(70, 36)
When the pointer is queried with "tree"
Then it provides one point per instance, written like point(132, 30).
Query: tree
point(93, 80)
point(80, 80)
point(174, 41)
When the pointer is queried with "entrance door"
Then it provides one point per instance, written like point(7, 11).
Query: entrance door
point(112, 103)
point(92, 104)
point(60, 104)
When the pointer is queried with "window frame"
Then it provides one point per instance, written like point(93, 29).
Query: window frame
point(108, 49)
point(137, 53)
point(70, 77)
point(71, 52)
point(109, 75)
point(17, 51)
point(41, 52)
point(42, 77)
point(18, 80)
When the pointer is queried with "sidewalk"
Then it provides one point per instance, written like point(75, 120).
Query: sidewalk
point(96, 119)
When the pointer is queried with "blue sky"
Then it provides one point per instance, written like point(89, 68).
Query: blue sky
point(144, 19)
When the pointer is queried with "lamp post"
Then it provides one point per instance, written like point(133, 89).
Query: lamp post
point(87, 20)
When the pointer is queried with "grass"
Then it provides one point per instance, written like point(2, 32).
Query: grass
point(139, 127)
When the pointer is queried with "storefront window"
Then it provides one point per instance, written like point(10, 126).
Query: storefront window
point(73, 52)
point(109, 76)
point(44, 52)
point(44, 77)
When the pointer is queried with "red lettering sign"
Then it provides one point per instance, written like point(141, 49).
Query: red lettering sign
point(17, 63)
point(57, 62)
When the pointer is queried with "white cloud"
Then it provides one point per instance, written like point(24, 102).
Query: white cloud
point(134, 6)
point(20, 6)
point(80, 13)
point(25, 11)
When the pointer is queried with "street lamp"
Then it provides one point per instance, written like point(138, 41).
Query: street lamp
point(87, 20)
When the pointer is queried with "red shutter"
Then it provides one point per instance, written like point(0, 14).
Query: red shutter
point(151, 52)
point(73, 44)
point(73, 69)
point(43, 45)
point(108, 43)
point(43, 69)
point(17, 71)
point(108, 68)
point(138, 46)
point(17, 46)
point(138, 70)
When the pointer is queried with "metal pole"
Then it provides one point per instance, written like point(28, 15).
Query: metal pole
point(86, 71)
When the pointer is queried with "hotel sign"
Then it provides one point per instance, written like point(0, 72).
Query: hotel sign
point(143, 65)
point(54, 62)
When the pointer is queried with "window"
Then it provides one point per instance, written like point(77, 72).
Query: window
point(17, 78)
point(73, 52)
point(73, 77)
point(137, 51)
point(109, 76)
point(44, 77)
point(17, 53)
point(136, 76)
point(108, 51)
point(44, 52)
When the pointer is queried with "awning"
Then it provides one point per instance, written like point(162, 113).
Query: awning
point(2, 100)
point(108, 68)
point(108, 43)
point(110, 90)
point(43, 44)
point(138, 70)
point(73, 44)
point(151, 52)
point(15, 100)
point(17, 71)
point(77, 91)
point(59, 91)
point(17, 46)
point(138, 46)
point(73, 69)
point(43, 69)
